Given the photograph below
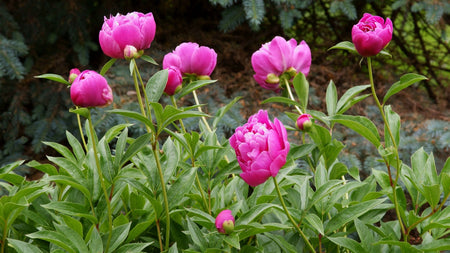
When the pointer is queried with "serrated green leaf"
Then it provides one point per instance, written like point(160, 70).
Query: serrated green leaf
point(405, 81)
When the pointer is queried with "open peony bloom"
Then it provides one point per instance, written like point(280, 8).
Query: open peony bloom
point(277, 57)
point(371, 34)
point(174, 81)
point(304, 122)
point(134, 29)
point(261, 148)
point(190, 58)
point(90, 89)
point(225, 222)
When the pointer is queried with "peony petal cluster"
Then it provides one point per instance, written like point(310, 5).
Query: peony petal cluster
point(277, 57)
point(225, 222)
point(304, 122)
point(190, 58)
point(371, 35)
point(174, 81)
point(261, 148)
point(134, 29)
point(90, 89)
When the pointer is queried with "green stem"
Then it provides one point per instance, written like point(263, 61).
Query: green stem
point(174, 102)
point(290, 217)
point(164, 192)
point(81, 131)
point(102, 181)
point(147, 104)
point(200, 110)
point(288, 88)
point(394, 184)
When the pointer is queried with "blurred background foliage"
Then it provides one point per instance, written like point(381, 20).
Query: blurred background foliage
point(52, 36)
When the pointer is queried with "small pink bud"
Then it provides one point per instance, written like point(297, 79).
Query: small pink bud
point(73, 74)
point(304, 122)
point(130, 52)
point(90, 89)
point(174, 81)
point(225, 222)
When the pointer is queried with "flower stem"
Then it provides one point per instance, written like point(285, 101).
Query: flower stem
point(102, 181)
point(164, 192)
point(174, 102)
point(288, 88)
point(81, 131)
point(290, 217)
point(393, 183)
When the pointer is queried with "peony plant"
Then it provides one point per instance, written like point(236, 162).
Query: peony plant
point(158, 191)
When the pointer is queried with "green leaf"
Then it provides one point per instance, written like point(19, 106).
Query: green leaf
point(257, 228)
point(133, 247)
point(196, 235)
point(348, 243)
point(22, 246)
point(76, 240)
point(94, 240)
point(393, 120)
point(55, 238)
point(138, 229)
point(192, 86)
point(361, 125)
point(181, 187)
point(148, 59)
point(76, 146)
point(222, 111)
point(350, 213)
point(345, 45)
point(134, 115)
point(320, 135)
point(82, 111)
point(301, 87)
point(337, 171)
point(254, 213)
point(283, 100)
point(72, 182)
point(135, 147)
point(315, 222)
point(232, 240)
point(349, 96)
point(71, 208)
point(63, 150)
point(118, 236)
point(303, 150)
point(432, 194)
point(405, 81)
point(331, 99)
point(46, 168)
point(54, 77)
point(107, 66)
point(156, 85)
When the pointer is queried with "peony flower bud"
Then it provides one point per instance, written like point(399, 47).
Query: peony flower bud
point(73, 74)
point(304, 122)
point(371, 35)
point(134, 29)
point(261, 147)
point(277, 57)
point(131, 52)
point(225, 222)
point(174, 81)
point(190, 58)
point(90, 89)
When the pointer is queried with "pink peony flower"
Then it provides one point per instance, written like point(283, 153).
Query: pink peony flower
point(174, 81)
point(261, 148)
point(73, 74)
point(190, 58)
point(225, 222)
point(90, 89)
point(277, 57)
point(371, 34)
point(304, 122)
point(134, 29)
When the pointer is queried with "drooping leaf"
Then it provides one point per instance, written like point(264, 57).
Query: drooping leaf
point(404, 82)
